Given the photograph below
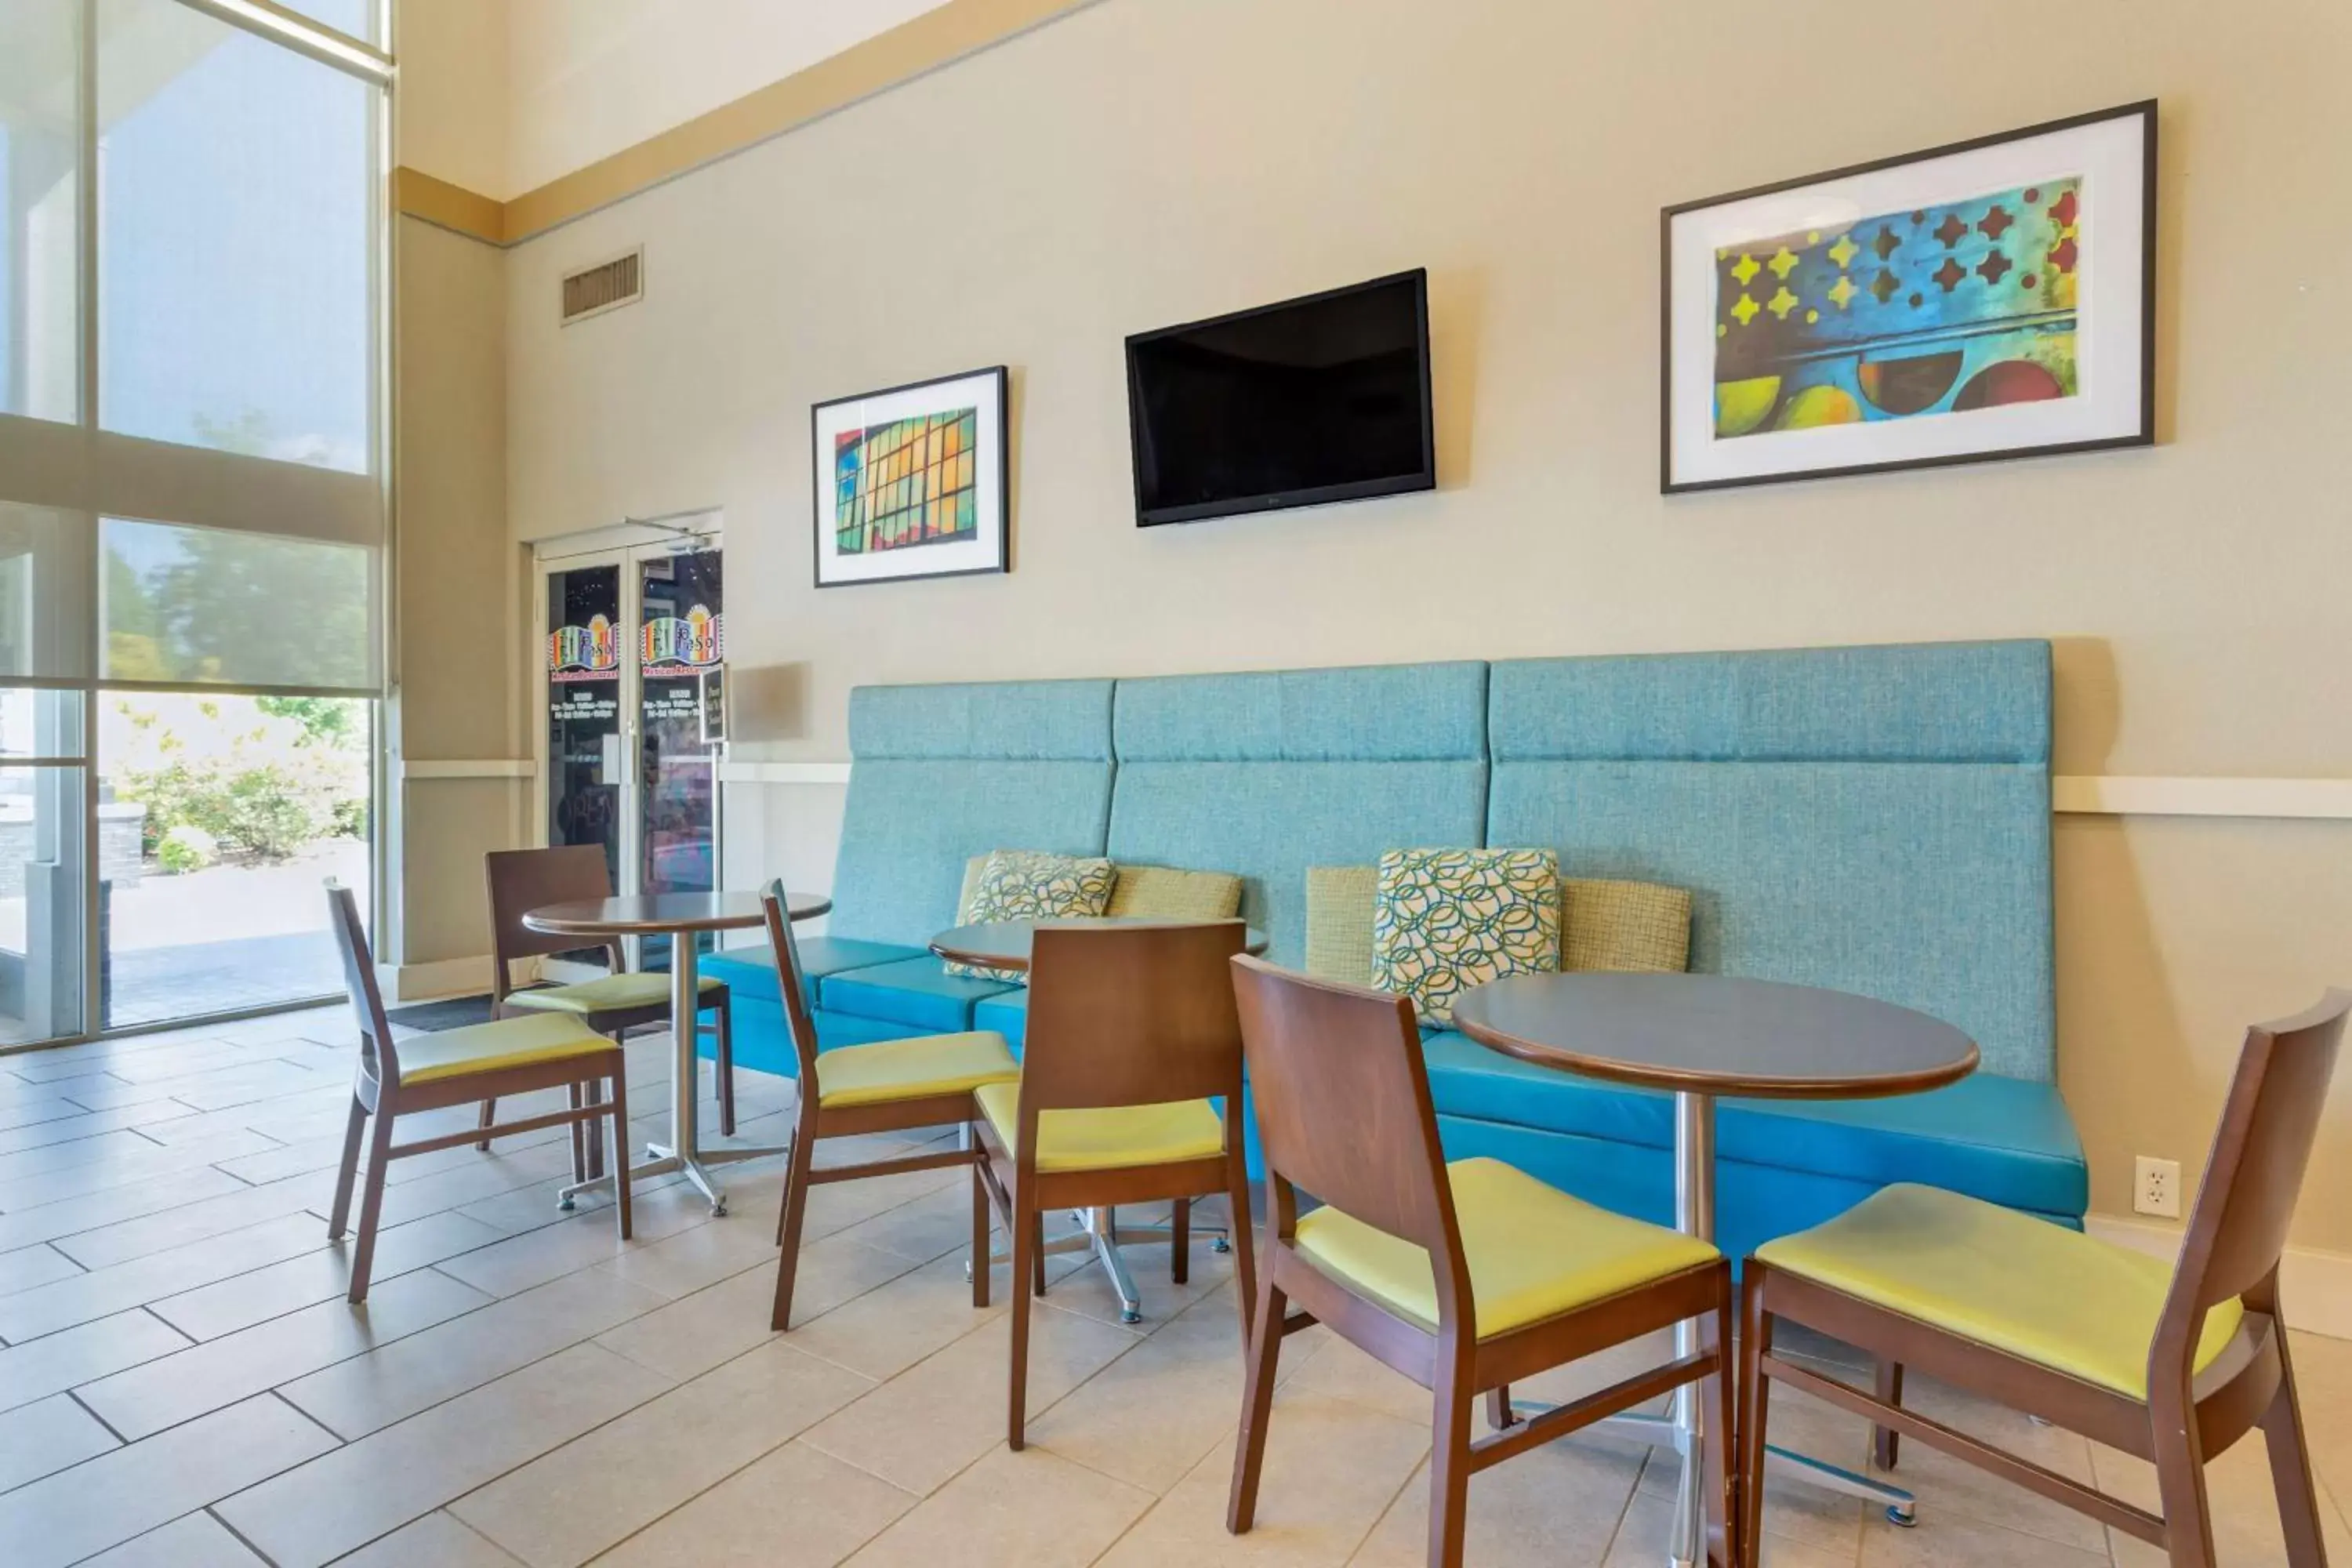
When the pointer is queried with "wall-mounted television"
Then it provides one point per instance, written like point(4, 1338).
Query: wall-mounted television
point(1313, 400)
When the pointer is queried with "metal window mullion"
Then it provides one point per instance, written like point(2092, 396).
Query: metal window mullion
point(291, 29)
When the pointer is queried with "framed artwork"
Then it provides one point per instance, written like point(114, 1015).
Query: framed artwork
point(1994, 299)
point(912, 482)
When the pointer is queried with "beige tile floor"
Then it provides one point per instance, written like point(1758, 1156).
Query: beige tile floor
point(182, 1384)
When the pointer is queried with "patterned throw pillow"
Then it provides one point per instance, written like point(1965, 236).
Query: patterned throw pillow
point(1341, 901)
point(1162, 892)
point(1637, 928)
point(1448, 919)
point(1027, 884)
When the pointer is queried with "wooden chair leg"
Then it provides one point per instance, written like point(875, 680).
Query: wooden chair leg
point(1500, 1414)
point(370, 1203)
point(1718, 1403)
point(339, 1216)
point(489, 1111)
point(2298, 1497)
point(578, 1136)
point(1755, 1392)
point(1258, 1405)
point(980, 1217)
point(1889, 1441)
point(788, 1226)
point(620, 1182)
point(1244, 1247)
point(2180, 1483)
point(1036, 1228)
point(1180, 1241)
point(724, 1055)
point(1449, 1471)
point(1027, 1230)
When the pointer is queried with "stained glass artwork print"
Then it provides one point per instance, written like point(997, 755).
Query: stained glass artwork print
point(1995, 297)
point(911, 481)
point(908, 482)
point(1936, 311)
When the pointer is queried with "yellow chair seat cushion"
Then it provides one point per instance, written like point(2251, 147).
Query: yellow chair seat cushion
point(1109, 1140)
point(2000, 1278)
point(612, 994)
point(891, 1070)
point(494, 1047)
point(1533, 1252)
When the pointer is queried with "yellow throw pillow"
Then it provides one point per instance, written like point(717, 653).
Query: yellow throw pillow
point(1634, 927)
point(1027, 884)
point(1445, 921)
point(1162, 892)
point(1339, 904)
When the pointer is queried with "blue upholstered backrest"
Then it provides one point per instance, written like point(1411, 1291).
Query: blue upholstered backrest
point(1266, 774)
point(944, 773)
point(1871, 818)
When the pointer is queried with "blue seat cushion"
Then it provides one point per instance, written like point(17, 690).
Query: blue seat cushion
point(917, 991)
point(2004, 1140)
point(751, 971)
point(1008, 1015)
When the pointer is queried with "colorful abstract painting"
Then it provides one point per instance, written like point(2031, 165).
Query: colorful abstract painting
point(1995, 297)
point(911, 481)
point(1940, 310)
point(908, 482)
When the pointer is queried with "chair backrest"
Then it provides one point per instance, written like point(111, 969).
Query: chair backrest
point(775, 903)
point(377, 1050)
point(521, 880)
point(1344, 1111)
point(1131, 1015)
point(2239, 1227)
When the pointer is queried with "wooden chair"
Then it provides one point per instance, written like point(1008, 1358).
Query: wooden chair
point(1463, 1276)
point(890, 1085)
point(521, 880)
point(2173, 1364)
point(454, 1066)
point(1132, 1036)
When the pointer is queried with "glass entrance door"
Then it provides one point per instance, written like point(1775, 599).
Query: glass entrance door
point(634, 666)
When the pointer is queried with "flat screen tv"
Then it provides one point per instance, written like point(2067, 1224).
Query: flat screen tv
point(1313, 400)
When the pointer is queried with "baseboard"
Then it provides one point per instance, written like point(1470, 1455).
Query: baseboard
point(2315, 1286)
point(425, 982)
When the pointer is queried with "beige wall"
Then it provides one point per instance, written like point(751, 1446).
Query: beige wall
point(458, 690)
point(1138, 164)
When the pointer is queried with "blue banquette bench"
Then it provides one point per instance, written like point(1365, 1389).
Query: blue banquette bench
point(1876, 819)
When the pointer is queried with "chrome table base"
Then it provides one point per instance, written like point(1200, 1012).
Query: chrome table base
point(1100, 1232)
point(1684, 1431)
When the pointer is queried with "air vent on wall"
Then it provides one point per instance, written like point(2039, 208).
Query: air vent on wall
point(607, 286)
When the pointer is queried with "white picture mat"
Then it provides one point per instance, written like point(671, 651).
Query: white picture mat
point(2109, 302)
point(983, 554)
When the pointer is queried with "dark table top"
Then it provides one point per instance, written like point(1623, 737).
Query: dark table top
point(1712, 1034)
point(1004, 944)
point(648, 914)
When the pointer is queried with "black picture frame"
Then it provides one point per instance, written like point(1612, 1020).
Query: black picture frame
point(2143, 430)
point(993, 493)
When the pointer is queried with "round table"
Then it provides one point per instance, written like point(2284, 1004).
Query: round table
point(681, 916)
point(1696, 1037)
point(1005, 946)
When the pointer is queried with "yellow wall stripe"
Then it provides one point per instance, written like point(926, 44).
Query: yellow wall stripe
point(938, 37)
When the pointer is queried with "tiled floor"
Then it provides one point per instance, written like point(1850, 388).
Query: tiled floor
point(183, 1386)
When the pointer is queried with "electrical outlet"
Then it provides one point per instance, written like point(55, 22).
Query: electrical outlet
point(2155, 1187)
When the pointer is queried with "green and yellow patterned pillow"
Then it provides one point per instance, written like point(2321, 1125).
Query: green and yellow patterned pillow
point(1448, 919)
point(1165, 893)
point(1340, 902)
point(1027, 884)
point(1631, 927)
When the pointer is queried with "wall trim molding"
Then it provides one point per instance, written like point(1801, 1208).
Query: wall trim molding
point(2071, 795)
point(414, 769)
point(915, 48)
point(2115, 795)
point(2316, 1287)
